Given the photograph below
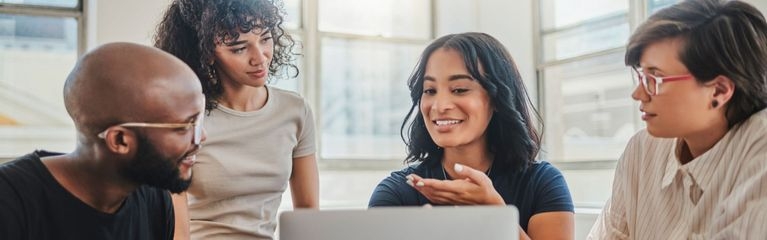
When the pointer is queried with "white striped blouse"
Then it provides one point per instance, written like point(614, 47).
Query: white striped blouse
point(722, 194)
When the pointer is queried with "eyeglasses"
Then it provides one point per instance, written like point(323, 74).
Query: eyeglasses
point(196, 125)
point(652, 83)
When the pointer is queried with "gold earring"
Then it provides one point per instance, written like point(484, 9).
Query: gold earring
point(212, 74)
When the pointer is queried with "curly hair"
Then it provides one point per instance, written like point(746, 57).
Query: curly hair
point(190, 30)
point(511, 135)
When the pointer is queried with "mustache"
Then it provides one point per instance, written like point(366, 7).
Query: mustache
point(193, 151)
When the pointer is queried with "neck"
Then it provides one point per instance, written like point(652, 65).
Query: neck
point(243, 98)
point(476, 156)
point(94, 182)
point(694, 145)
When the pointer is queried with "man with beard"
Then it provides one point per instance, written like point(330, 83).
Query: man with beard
point(138, 112)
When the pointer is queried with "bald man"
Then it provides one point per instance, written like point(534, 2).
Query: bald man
point(138, 112)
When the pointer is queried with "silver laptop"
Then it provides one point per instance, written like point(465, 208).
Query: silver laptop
point(388, 223)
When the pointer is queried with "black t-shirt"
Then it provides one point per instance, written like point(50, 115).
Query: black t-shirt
point(539, 188)
point(33, 205)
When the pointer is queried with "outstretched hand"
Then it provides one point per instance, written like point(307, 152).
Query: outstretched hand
point(471, 187)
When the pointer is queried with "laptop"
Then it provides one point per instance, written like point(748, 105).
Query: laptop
point(416, 223)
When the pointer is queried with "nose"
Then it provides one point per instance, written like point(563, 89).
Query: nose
point(640, 94)
point(442, 103)
point(204, 136)
point(260, 55)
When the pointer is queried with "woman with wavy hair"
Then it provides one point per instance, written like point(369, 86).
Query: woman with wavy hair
point(260, 138)
point(472, 141)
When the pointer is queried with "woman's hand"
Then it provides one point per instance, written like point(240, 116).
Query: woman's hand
point(471, 187)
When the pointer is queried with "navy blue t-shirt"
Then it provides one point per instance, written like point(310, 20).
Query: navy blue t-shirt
point(539, 188)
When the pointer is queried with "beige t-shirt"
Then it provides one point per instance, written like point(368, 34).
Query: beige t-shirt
point(722, 194)
point(244, 167)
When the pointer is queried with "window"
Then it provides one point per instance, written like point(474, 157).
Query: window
point(71, 4)
point(37, 51)
point(655, 5)
point(587, 107)
point(293, 26)
point(364, 67)
point(586, 89)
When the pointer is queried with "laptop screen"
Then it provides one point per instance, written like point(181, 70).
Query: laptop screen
point(417, 223)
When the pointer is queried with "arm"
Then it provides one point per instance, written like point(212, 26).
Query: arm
point(304, 182)
point(612, 223)
point(551, 225)
point(181, 214)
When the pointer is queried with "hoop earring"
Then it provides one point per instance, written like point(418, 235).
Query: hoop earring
point(212, 74)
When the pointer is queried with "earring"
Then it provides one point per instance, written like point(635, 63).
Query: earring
point(715, 103)
point(212, 74)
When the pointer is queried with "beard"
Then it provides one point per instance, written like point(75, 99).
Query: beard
point(153, 169)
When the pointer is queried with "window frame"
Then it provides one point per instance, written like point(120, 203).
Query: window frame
point(78, 13)
point(637, 12)
point(311, 88)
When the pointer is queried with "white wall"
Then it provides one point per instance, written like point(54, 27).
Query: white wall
point(760, 4)
point(123, 20)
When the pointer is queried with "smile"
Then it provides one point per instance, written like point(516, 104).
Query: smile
point(447, 122)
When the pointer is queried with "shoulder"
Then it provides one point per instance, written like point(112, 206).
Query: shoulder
point(757, 121)
point(394, 191)
point(541, 172)
point(550, 188)
point(286, 97)
point(292, 102)
point(23, 171)
point(751, 132)
point(543, 167)
point(644, 148)
point(397, 178)
point(22, 184)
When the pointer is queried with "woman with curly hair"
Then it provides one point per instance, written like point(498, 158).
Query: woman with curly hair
point(259, 137)
point(472, 140)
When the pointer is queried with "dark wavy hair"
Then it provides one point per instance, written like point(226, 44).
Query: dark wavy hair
point(190, 30)
point(719, 37)
point(512, 136)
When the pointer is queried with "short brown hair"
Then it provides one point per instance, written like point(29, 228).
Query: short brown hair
point(719, 37)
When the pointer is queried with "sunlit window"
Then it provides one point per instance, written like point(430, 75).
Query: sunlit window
point(45, 3)
point(36, 54)
point(589, 115)
point(364, 67)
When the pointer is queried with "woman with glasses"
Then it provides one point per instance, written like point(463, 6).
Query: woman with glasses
point(699, 169)
point(260, 138)
point(472, 139)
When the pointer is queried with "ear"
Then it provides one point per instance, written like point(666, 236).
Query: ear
point(723, 88)
point(120, 140)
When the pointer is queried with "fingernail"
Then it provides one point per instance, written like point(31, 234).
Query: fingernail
point(458, 167)
point(409, 182)
point(420, 184)
point(409, 177)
